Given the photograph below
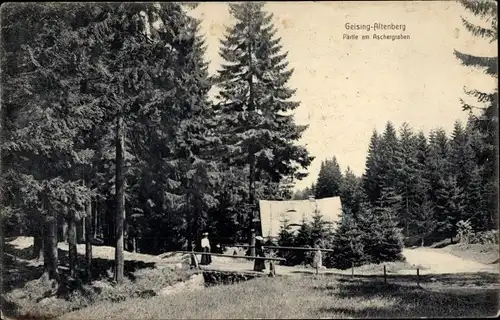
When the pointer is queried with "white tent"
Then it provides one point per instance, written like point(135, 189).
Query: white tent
point(273, 213)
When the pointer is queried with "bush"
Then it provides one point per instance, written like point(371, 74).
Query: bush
point(310, 234)
point(382, 239)
point(347, 245)
point(485, 237)
point(464, 231)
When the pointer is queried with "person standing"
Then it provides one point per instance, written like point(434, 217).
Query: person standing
point(318, 257)
point(206, 259)
point(259, 264)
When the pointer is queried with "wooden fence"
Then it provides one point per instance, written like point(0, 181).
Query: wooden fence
point(196, 264)
point(287, 248)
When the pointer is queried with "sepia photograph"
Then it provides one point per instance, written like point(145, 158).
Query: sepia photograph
point(249, 160)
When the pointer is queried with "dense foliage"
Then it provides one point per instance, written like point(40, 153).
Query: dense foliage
point(108, 131)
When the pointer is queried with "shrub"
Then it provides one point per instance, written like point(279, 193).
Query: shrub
point(464, 231)
point(382, 239)
point(484, 237)
point(347, 245)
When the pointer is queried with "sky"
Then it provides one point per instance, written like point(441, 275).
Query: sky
point(348, 88)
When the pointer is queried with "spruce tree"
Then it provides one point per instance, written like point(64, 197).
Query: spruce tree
point(373, 170)
point(302, 194)
point(423, 218)
point(45, 136)
point(381, 237)
point(449, 207)
point(438, 165)
point(286, 239)
point(485, 121)
point(329, 179)
point(254, 110)
point(131, 73)
point(351, 193)
point(462, 159)
point(321, 230)
point(423, 213)
point(347, 244)
point(302, 239)
point(390, 153)
point(407, 173)
point(475, 207)
point(196, 137)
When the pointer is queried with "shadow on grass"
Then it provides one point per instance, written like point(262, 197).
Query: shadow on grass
point(19, 267)
point(454, 296)
point(20, 272)
point(16, 269)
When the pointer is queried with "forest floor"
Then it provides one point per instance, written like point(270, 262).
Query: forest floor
point(157, 287)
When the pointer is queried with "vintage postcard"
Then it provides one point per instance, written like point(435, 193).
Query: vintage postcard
point(225, 160)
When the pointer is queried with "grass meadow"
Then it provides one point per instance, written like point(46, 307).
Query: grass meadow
point(317, 297)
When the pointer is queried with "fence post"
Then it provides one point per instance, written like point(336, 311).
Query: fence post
point(272, 270)
point(418, 277)
point(385, 275)
point(252, 242)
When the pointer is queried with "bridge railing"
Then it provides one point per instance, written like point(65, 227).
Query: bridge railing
point(282, 248)
point(287, 248)
point(195, 263)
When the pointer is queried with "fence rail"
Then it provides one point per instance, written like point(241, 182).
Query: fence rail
point(282, 248)
point(195, 263)
point(232, 256)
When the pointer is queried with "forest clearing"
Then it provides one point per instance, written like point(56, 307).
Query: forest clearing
point(472, 290)
point(247, 158)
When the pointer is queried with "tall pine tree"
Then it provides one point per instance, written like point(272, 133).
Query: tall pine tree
point(254, 107)
point(373, 170)
point(406, 183)
point(486, 119)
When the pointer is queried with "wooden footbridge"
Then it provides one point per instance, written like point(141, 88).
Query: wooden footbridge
point(244, 267)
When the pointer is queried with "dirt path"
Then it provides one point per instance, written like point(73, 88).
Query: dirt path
point(438, 261)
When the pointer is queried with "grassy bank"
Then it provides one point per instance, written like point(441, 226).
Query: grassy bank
point(487, 253)
point(26, 295)
point(315, 297)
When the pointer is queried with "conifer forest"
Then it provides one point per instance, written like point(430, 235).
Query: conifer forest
point(115, 133)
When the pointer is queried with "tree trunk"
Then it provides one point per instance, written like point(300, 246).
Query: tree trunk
point(120, 199)
point(126, 239)
point(95, 227)
point(251, 108)
point(64, 232)
point(83, 223)
point(251, 202)
point(72, 246)
point(50, 259)
point(406, 211)
point(109, 221)
point(134, 245)
point(38, 244)
point(88, 241)
point(252, 243)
